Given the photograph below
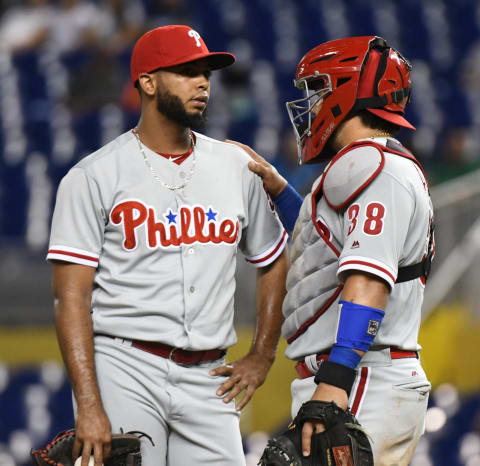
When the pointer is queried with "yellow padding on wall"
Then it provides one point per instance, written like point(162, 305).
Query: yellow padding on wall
point(26, 346)
point(450, 354)
point(269, 408)
point(450, 339)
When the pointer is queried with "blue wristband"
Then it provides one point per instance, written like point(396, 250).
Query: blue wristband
point(288, 205)
point(358, 325)
point(345, 356)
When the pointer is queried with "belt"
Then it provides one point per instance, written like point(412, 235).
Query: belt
point(178, 355)
point(395, 353)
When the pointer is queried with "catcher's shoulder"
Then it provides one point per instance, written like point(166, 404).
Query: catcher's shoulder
point(350, 172)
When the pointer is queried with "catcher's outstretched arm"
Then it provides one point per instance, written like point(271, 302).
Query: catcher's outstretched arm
point(274, 182)
point(72, 288)
point(287, 200)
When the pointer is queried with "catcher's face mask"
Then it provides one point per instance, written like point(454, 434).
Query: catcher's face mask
point(303, 111)
point(347, 74)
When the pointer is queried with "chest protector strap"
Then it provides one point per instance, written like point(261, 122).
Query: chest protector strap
point(421, 269)
point(339, 202)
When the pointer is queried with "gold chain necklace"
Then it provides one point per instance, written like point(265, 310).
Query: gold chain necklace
point(154, 173)
point(381, 135)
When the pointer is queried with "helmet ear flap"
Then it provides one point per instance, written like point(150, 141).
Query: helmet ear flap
point(384, 86)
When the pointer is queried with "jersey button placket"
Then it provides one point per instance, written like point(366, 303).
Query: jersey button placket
point(180, 175)
point(188, 323)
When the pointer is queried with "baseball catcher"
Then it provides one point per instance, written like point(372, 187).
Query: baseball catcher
point(354, 339)
point(343, 443)
point(125, 450)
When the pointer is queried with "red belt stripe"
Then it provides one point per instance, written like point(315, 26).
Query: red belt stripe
point(178, 355)
point(395, 353)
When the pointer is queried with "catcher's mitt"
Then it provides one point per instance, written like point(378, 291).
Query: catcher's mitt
point(125, 450)
point(343, 443)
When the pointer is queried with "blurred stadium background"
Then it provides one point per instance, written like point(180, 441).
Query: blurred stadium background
point(64, 92)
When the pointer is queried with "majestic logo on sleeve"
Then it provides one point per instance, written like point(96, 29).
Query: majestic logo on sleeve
point(190, 224)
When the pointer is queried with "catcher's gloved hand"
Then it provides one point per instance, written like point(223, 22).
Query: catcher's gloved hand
point(344, 442)
point(125, 450)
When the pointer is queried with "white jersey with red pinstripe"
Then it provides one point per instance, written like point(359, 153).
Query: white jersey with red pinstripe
point(165, 258)
point(381, 227)
point(380, 224)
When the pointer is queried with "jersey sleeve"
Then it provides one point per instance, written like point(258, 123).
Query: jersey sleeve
point(264, 237)
point(376, 225)
point(78, 221)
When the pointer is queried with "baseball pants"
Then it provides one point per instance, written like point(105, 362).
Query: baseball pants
point(389, 401)
point(175, 405)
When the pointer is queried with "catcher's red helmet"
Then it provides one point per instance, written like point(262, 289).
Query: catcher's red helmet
point(343, 75)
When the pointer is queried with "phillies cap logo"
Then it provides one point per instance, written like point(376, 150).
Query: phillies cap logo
point(195, 35)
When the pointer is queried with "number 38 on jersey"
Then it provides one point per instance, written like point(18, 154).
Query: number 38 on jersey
point(371, 222)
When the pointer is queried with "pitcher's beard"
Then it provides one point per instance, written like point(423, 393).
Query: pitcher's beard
point(172, 107)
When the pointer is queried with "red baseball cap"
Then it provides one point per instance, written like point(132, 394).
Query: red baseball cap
point(173, 45)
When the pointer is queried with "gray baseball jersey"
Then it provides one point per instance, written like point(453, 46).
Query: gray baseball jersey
point(165, 258)
point(370, 211)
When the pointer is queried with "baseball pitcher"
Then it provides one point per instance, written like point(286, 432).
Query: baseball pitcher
point(143, 245)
